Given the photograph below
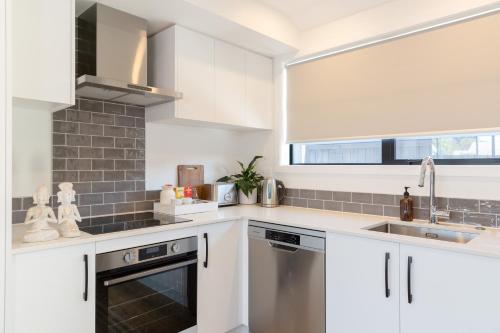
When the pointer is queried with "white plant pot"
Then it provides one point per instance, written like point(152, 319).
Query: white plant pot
point(244, 200)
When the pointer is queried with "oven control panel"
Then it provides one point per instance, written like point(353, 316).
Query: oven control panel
point(132, 256)
point(283, 237)
point(153, 252)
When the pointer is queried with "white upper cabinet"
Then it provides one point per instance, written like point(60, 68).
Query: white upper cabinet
point(451, 292)
point(356, 273)
point(259, 91)
point(194, 75)
point(43, 55)
point(49, 290)
point(221, 84)
point(229, 84)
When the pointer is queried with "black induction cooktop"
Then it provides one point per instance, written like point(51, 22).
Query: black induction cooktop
point(123, 222)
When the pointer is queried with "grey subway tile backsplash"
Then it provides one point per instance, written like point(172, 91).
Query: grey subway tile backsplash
point(114, 108)
point(324, 195)
point(103, 119)
point(462, 211)
point(392, 211)
point(58, 139)
point(351, 207)
point(485, 220)
point(333, 205)
point(99, 147)
point(17, 204)
point(372, 209)
point(91, 105)
point(489, 206)
point(317, 204)
point(463, 205)
point(384, 199)
point(292, 193)
point(297, 202)
point(342, 196)
point(101, 187)
point(135, 111)
point(125, 121)
point(78, 116)
point(85, 152)
point(91, 129)
point(361, 197)
point(143, 206)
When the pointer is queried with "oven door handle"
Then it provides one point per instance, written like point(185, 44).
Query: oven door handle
point(139, 275)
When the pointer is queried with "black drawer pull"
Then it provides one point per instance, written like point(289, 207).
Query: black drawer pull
point(86, 291)
point(387, 290)
point(410, 296)
point(205, 263)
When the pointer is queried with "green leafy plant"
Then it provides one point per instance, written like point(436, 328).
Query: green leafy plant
point(248, 179)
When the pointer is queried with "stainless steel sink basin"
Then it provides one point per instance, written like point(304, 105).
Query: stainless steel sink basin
point(425, 232)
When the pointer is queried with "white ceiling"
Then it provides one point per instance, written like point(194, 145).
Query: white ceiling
point(308, 14)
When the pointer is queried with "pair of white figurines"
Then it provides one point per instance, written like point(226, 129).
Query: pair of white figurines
point(38, 217)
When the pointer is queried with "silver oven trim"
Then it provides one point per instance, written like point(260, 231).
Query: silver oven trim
point(129, 257)
point(142, 274)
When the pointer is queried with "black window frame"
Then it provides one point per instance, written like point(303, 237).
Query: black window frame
point(389, 158)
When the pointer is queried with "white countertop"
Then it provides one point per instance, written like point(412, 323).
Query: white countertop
point(487, 243)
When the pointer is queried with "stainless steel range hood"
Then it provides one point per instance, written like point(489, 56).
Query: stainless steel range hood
point(111, 58)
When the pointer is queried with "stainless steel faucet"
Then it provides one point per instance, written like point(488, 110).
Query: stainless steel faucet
point(434, 213)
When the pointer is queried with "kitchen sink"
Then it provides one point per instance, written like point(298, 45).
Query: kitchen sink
point(425, 232)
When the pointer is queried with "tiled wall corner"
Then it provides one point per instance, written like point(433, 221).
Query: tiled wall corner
point(100, 148)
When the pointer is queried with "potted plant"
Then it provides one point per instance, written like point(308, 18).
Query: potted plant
point(247, 182)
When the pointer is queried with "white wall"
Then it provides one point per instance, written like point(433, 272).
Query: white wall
point(217, 149)
point(4, 192)
point(32, 156)
point(475, 182)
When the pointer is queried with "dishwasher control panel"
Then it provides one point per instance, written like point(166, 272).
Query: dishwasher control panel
point(283, 237)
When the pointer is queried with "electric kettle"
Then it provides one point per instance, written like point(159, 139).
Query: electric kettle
point(272, 192)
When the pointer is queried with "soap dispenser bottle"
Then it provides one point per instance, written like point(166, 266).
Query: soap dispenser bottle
point(406, 206)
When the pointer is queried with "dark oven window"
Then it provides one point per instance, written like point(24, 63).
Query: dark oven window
point(164, 302)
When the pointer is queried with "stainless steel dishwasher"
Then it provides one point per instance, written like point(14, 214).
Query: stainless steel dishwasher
point(286, 279)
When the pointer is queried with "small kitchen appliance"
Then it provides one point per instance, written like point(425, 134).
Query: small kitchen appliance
point(272, 192)
point(224, 193)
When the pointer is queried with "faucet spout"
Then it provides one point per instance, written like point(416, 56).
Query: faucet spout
point(423, 170)
point(429, 162)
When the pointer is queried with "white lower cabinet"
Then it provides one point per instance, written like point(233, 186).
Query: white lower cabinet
point(452, 292)
point(356, 298)
point(221, 277)
point(434, 291)
point(49, 287)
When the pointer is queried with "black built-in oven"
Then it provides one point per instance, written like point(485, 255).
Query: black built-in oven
point(149, 289)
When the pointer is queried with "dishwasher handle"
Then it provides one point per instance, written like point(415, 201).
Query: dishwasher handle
point(283, 247)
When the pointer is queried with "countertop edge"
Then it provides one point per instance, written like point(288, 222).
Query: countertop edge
point(487, 244)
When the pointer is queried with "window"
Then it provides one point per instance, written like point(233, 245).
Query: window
point(483, 148)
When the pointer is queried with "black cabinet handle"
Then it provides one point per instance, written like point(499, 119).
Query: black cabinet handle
point(410, 296)
point(205, 263)
point(86, 291)
point(387, 290)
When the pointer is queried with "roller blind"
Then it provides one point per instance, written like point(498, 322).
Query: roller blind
point(438, 81)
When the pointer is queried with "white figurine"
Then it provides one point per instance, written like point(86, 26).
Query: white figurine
point(38, 217)
point(68, 213)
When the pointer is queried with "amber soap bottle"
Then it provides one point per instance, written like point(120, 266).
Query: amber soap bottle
point(406, 206)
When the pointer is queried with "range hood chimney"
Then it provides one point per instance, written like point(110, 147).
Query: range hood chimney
point(111, 58)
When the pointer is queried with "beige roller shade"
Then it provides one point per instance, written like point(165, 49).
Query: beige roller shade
point(442, 80)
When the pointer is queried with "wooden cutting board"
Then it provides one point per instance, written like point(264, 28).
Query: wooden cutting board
point(190, 175)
